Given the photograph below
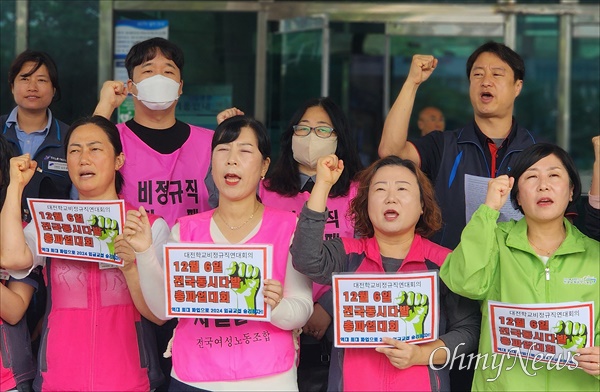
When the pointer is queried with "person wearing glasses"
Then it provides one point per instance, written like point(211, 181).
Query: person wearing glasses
point(318, 128)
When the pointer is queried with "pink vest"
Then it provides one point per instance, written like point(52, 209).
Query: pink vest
point(92, 336)
point(361, 363)
point(338, 224)
point(207, 350)
point(7, 378)
point(167, 185)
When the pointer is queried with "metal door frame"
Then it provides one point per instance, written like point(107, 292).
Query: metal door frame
point(576, 21)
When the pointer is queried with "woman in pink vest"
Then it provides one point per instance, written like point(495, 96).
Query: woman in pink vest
point(394, 210)
point(96, 335)
point(319, 127)
point(240, 158)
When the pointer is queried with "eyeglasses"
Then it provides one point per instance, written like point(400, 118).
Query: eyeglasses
point(321, 131)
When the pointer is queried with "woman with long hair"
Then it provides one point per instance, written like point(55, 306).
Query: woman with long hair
point(318, 128)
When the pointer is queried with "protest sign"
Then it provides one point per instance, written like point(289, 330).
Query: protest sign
point(82, 230)
point(547, 332)
point(369, 307)
point(217, 281)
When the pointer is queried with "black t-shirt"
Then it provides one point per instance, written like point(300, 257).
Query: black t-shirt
point(164, 141)
point(391, 264)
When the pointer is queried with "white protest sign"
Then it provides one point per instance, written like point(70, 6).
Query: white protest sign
point(546, 332)
point(369, 307)
point(82, 230)
point(217, 281)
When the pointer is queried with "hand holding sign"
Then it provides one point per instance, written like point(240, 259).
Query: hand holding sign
point(273, 292)
point(401, 355)
point(109, 229)
point(137, 230)
point(589, 360)
point(249, 281)
point(413, 309)
point(124, 250)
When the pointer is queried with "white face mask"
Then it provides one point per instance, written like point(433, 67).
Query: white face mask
point(308, 149)
point(157, 92)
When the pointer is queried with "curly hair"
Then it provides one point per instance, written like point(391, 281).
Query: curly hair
point(429, 222)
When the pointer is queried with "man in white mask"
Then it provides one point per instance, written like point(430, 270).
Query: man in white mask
point(167, 160)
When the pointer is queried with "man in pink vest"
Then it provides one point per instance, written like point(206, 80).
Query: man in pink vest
point(167, 159)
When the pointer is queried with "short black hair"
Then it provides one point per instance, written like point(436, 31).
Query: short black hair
point(285, 176)
point(39, 58)
point(111, 132)
point(148, 49)
point(529, 156)
point(506, 54)
point(230, 129)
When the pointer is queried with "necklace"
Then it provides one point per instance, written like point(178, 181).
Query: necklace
point(544, 251)
point(240, 226)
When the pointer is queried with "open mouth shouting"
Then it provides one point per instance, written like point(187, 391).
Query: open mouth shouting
point(232, 179)
point(486, 97)
point(390, 215)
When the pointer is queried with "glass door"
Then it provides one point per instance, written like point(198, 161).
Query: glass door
point(451, 42)
point(298, 69)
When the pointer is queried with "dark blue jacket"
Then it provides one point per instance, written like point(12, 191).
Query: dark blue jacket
point(54, 181)
point(464, 154)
